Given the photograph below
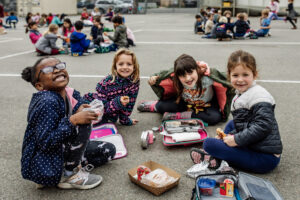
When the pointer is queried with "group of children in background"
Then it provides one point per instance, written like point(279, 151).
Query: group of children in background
point(222, 27)
point(79, 42)
point(56, 148)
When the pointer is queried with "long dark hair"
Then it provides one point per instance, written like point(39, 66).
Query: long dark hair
point(70, 23)
point(182, 65)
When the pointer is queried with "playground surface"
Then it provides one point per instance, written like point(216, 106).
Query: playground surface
point(161, 38)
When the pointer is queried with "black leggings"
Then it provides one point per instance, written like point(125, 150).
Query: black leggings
point(210, 115)
point(291, 21)
point(81, 150)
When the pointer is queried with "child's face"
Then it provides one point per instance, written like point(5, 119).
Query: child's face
point(241, 78)
point(95, 23)
point(34, 27)
point(66, 25)
point(55, 31)
point(125, 66)
point(116, 24)
point(198, 19)
point(228, 15)
point(51, 81)
point(189, 80)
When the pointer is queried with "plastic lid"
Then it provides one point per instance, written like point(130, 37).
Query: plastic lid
point(206, 183)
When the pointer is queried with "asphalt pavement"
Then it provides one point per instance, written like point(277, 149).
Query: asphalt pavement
point(161, 38)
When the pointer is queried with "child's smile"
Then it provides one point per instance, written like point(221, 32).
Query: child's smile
point(241, 78)
point(189, 79)
point(124, 65)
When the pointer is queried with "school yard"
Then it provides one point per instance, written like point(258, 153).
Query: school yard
point(161, 38)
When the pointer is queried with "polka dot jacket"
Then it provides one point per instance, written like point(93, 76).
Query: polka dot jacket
point(110, 93)
point(48, 128)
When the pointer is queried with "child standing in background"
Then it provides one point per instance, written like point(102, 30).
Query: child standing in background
point(58, 131)
point(118, 91)
point(292, 14)
point(46, 45)
point(34, 34)
point(253, 140)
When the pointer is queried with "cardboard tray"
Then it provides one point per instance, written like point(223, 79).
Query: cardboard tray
point(155, 190)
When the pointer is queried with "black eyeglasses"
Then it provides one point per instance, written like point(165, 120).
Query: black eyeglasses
point(50, 69)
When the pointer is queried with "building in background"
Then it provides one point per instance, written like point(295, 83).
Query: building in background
point(46, 6)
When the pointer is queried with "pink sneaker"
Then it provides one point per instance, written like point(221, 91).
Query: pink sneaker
point(147, 106)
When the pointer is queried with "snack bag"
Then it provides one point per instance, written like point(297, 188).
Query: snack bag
point(158, 178)
point(98, 107)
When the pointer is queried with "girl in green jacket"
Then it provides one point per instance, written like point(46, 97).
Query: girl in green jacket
point(190, 86)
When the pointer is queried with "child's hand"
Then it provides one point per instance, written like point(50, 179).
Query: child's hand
point(99, 26)
point(134, 121)
point(229, 140)
point(61, 49)
point(124, 100)
point(83, 117)
point(152, 80)
point(82, 107)
point(217, 137)
point(91, 38)
point(105, 34)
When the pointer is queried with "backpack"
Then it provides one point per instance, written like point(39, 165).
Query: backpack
point(221, 28)
point(246, 187)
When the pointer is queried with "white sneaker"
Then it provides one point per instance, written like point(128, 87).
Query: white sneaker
point(82, 180)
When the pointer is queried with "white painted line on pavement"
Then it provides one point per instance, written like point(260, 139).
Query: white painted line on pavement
point(16, 54)
point(146, 77)
point(220, 43)
point(140, 30)
point(10, 40)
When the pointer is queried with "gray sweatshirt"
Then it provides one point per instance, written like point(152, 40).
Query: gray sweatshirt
point(46, 43)
point(120, 36)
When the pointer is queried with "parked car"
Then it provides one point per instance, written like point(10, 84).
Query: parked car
point(103, 5)
point(124, 6)
point(190, 3)
point(85, 3)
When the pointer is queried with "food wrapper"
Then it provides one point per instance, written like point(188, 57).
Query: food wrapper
point(202, 169)
point(158, 178)
point(98, 107)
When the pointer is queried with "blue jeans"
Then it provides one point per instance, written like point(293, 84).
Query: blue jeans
point(274, 16)
point(241, 157)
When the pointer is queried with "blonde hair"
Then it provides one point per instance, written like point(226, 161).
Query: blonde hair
point(265, 12)
point(243, 58)
point(227, 12)
point(223, 20)
point(51, 29)
point(241, 16)
point(136, 66)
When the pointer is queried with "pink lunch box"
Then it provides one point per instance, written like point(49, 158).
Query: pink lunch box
point(199, 128)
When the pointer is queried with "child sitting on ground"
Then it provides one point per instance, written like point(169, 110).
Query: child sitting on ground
point(97, 31)
point(190, 85)
point(253, 141)
point(120, 35)
point(58, 131)
point(241, 26)
point(209, 24)
point(118, 91)
point(79, 43)
point(265, 24)
point(12, 20)
point(67, 30)
point(34, 34)
point(2, 29)
point(109, 15)
point(223, 29)
point(46, 45)
point(198, 25)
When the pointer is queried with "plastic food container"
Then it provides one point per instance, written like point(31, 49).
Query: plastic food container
point(206, 186)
